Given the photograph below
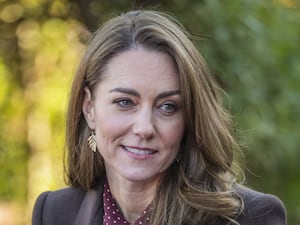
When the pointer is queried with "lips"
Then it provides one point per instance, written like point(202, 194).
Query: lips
point(139, 151)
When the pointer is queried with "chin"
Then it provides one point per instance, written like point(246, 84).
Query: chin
point(141, 177)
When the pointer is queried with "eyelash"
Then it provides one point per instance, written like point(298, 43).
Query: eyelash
point(167, 111)
point(126, 103)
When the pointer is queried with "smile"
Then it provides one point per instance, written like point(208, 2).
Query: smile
point(139, 151)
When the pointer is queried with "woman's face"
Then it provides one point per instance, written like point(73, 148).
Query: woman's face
point(137, 115)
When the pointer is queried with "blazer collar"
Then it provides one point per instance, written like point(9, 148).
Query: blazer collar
point(91, 209)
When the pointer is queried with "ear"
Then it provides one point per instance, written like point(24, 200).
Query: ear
point(88, 108)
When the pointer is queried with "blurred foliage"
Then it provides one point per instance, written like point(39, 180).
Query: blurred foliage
point(252, 46)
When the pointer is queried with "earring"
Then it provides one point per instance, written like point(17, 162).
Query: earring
point(92, 141)
point(178, 157)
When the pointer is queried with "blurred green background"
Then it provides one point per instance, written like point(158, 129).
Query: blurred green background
point(252, 46)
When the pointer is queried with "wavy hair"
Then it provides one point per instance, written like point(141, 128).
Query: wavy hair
point(200, 188)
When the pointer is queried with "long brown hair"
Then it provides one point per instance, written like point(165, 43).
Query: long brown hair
point(199, 189)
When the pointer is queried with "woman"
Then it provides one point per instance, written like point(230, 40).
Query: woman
point(148, 140)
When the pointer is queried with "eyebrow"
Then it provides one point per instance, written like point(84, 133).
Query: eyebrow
point(126, 91)
point(135, 93)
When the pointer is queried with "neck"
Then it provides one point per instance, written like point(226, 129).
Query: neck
point(132, 197)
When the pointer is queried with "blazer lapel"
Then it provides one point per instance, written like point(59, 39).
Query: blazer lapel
point(91, 209)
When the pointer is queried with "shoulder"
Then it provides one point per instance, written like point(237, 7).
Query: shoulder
point(260, 208)
point(57, 207)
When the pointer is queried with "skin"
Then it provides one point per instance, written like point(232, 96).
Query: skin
point(138, 122)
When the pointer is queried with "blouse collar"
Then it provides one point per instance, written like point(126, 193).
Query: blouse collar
point(113, 215)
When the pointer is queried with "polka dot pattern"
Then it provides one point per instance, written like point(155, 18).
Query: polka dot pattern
point(113, 216)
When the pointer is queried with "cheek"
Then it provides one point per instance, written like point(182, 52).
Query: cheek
point(173, 135)
point(107, 133)
point(109, 126)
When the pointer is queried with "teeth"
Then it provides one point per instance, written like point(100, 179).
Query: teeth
point(139, 151)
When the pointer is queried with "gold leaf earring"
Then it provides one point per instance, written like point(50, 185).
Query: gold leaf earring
point(92, 141)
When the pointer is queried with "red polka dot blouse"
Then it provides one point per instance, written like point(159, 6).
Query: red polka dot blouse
point(113, 215)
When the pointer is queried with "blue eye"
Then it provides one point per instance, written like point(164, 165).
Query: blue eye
point(123, 102)
point(168, 108)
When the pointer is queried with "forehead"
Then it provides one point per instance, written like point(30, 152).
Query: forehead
point(141, 67)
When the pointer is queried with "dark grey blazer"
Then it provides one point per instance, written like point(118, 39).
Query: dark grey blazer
point(74, 206)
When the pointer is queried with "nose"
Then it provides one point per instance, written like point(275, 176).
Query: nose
point(144, 124)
